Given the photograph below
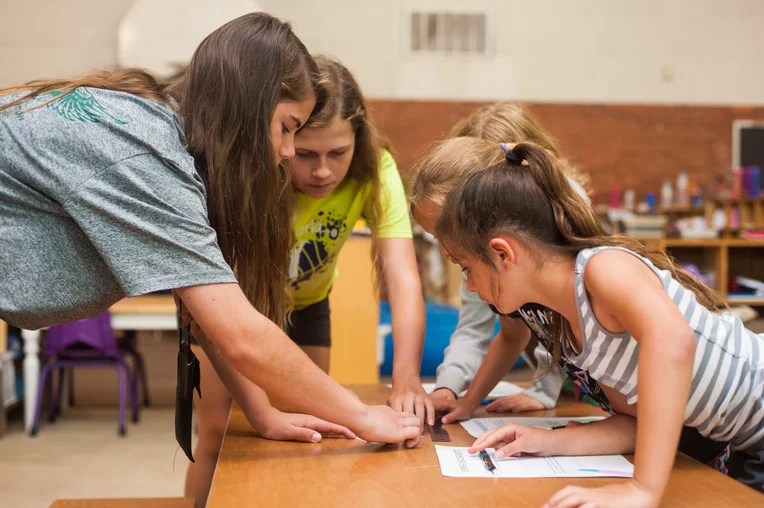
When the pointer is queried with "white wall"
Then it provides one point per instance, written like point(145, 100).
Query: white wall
point(555, 50)
point(546, 50)
point(56, 38)
point(146, 38)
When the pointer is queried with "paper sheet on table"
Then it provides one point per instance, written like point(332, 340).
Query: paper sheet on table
point(477, 426)
point(456, 462)
point(503, 389)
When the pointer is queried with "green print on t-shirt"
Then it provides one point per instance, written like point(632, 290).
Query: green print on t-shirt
point(80, 105)
point(316, 248)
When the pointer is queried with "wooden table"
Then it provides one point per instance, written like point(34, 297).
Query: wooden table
point(162, 502)
point(338, 472)
point(148, 312)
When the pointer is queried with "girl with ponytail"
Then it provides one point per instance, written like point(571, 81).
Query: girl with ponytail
point(603, 304)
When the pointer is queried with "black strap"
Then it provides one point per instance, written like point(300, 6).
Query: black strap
point(184, 332)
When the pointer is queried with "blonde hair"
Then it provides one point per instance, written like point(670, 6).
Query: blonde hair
point(500, 122)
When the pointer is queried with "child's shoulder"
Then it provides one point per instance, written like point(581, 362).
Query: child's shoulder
point(608, 268)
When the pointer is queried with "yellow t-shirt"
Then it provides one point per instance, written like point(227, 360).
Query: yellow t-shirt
point(323, 225)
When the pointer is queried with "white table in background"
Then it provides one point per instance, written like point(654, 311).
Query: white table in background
point(149, 312)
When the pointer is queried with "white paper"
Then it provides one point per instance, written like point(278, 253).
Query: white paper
point(456, 462)
point(477, 426)
point(503, 389)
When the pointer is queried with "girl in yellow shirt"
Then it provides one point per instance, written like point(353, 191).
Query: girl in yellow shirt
point(342, 173)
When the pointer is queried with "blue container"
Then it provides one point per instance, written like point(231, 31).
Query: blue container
point(754, 181)
point(650, 200)
point(441, 323)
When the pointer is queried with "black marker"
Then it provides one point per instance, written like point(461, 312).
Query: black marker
point(487, 462)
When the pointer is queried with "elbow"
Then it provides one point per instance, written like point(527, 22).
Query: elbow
point(230, 350)
point(232, 344)
point(682, 350)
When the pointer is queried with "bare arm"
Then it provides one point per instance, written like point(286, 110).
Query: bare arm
point(253, 401)
point(614, 435)
point(255, 347)
point(407, 309)
point(501, 356)
point(468, 345)
point(633, 296)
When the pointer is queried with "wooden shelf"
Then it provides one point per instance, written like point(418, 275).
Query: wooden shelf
point(682, 210)
point(746, 299)
point(689, 242)
point(146, 304)
point(712, 242)
point(725, 257)
point(742, 242)
point(740, 201)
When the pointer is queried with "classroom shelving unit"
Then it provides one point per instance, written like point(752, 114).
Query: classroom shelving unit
point(749, 210)
point(727, 257)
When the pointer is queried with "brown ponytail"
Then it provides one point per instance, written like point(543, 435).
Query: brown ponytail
point(526, 195)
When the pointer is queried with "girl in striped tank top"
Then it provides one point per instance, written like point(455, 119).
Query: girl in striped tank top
point(649, 333)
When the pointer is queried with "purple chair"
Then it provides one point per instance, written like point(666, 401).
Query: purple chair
point(128, 346)
point(85, 343)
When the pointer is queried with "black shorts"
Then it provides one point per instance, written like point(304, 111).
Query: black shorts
point(311, 326)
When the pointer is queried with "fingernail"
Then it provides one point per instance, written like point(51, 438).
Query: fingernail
point(500, 454)
point(316, 438)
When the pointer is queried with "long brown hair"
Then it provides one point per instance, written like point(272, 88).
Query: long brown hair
point(500, 122)
point(227, 97)
point(345, 100)
point(133, 81)
point(526, 194)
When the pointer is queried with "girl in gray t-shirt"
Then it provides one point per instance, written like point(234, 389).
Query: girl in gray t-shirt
point(114, 185)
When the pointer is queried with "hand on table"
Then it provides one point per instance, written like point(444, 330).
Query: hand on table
point(409, 396)
point(456, 410)
point(513, 440)
point(517, 403)
point(628, 494)
point(281, 426)
point(442, 394)
point(383, 424)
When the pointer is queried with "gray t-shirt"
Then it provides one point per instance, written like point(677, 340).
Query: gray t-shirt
point(99, 200)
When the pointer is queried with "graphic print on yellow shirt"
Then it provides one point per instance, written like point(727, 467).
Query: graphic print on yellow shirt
point(323, 225)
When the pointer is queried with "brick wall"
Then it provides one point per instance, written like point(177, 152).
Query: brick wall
point(626, 145)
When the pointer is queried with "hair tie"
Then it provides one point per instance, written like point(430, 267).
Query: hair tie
point(510, 155)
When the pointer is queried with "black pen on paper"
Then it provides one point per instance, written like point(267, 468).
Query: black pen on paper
point(487, 462)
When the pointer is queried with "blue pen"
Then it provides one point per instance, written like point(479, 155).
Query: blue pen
point(606, 471)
